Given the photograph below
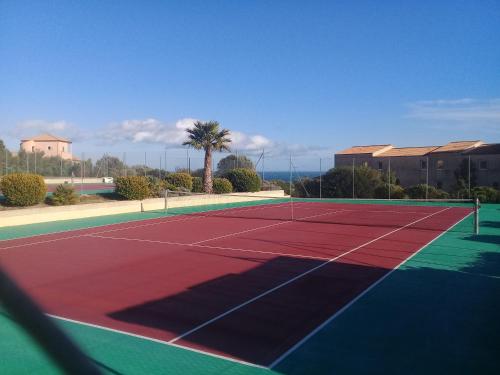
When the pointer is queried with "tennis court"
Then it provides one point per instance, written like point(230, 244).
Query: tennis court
point(248, 284)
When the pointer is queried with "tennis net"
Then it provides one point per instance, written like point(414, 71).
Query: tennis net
point(375, 212)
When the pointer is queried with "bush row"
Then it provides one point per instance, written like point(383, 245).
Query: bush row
point(24, 189)
point(139, 187)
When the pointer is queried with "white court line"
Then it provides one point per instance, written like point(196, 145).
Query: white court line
point(371, 211)
point(155, 340)
point(211, 247)
point(279, 286)
point(191, 216)
point(159, 220)
point(264, 227)
point(354, 300)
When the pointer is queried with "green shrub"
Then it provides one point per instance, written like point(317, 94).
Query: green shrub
point(418, 192)
point(382, 192)
point(486, 194)
point(156, 187)
point(197, 185)
point(306, 187)
point(243, 180)
point(181, 180)
point(222, 186)
point(337, 182)
point(133, 187)
point(23, 189)
point(63, 195)
point(439, 194)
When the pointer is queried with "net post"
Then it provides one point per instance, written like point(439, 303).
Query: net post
point(476, 215)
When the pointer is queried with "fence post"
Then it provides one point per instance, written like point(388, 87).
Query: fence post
point(290, 182)
point(427, 179)
point(82, 172)
point(389, 171)
point(263, 167)
point(476, 215)
point(469, 177)
point(320, 179)
point(353, 177)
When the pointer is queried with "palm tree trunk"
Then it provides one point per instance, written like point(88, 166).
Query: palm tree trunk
point(207, 171)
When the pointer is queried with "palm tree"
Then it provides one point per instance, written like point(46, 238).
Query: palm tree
point(207, 136)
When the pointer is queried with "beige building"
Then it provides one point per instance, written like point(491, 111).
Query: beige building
point(49, 144)
point(433, 164)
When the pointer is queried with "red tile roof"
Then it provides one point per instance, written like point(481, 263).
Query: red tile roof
point(458, 146)
point(46, 138)
point(372, 149)
point(407, 151)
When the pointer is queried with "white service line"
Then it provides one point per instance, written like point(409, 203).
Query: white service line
point(154, 340)
point(211, 247)
point(265, 227)
point(373, 211)
point(279, 286)
point(355, 299)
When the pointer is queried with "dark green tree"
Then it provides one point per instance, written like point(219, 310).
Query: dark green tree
point(110, 166)
point(231, 162)
point(207, 136)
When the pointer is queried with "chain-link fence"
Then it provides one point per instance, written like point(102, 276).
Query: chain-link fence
point(304, 176)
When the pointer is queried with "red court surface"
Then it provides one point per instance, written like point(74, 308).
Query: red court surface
point(245, 283)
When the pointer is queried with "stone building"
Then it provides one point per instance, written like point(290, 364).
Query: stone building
point(49, 144)
point(433, 164)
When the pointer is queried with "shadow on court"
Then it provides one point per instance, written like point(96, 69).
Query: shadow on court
point(265, 328)
point(420, 321)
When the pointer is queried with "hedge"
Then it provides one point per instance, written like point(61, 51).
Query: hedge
point(133, 187)
point(23, 189)
point(486, 194)
point(197, 185)
point(156, 187)
point(418, 192)
point(181, 180)
point(222, 186)
point(243, 180)
point(63, 195)
point(382, 192)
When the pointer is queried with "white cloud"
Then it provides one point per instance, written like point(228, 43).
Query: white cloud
point(245, 142)
point(151, 131)
point(172, 135)
point(457, 110)
point(63, 128)
point(147, 131)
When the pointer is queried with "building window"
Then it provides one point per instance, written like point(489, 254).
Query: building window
point(49, 148)
point(379, 165)
point(440, 164)
point(423, 164)
point(483, 164)
point(365, 164)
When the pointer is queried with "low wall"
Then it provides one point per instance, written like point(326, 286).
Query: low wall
point(76, 180)
point(45, 214)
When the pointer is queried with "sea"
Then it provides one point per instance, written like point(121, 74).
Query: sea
point(285, 175)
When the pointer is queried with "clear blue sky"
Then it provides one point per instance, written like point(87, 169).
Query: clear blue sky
point(309, 77)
